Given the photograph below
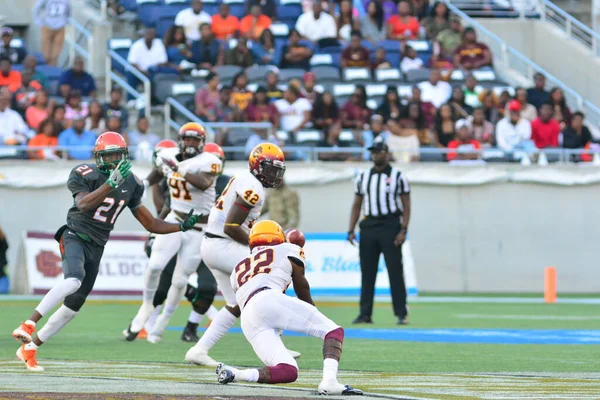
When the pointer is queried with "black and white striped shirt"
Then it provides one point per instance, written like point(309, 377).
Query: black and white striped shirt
point(381, 191)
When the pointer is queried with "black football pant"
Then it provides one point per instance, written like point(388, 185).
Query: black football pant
point(377, 237)
point(81, 260)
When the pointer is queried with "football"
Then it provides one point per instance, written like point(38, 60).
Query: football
point(295, 236)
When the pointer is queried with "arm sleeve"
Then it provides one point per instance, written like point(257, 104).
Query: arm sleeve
point(179, 18)
point(403, 184)
point(296, 254)
point(358, 185)
point(36, 11)
point(210, 165)
point(132, 57)
point(251, 192)
point(77, 183)
point(136, 199)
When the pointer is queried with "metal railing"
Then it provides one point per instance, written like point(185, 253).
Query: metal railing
point(122, 82)
point(572, 27)
point(506, 58)
point(77, 33)
point(101, 5)
point(170, 123)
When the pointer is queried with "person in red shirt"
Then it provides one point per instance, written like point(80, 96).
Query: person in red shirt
point(403, 26)
point(545, 129)
point(224, 25)
point(355, 55)
point(472, 54)
point(8, 76)
point(464, 143)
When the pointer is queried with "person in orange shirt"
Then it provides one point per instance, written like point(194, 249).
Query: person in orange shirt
point(8, 77)
point(254, 24)
point(46, 136)
point(464, 143)
point(224, 25)
point(403, 26)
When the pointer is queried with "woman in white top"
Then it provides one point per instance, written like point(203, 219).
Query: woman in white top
point(372, 25)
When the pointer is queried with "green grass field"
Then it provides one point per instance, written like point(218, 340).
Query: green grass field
point(400, 368)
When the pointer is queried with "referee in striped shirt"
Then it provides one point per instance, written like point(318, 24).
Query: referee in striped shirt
point(383, 194)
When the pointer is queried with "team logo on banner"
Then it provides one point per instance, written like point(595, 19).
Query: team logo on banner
point(48, 263)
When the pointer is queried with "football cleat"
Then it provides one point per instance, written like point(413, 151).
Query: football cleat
point(224, 375)
point(154, 338)
point(334, 388)
point(189, 335)
point(129, 335)
point(28, 357)
point(294, 354)
point(24, 332)
point(199, 356)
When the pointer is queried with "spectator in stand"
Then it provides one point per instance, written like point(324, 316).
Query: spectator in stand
point(52, 16)
point(513, 132)
point(537, 95)
point(260, 136)
point(46, 137)
point(372, 25)
point(240, 55)
point(309, 90)
point(445, 43)
point(114, 109)
point(207, 98)
point(75, 108)
point(355, 55)
point(253, 24)
point(444, 127)
point(390, 108)
point(240, 95)
point(260, 110)
point(114, 125)
point(30, 64)
point(380, 61)
point(545, 129)
point(317, 26)
point(95, 121)
point(404, 138)
point(142, 135)
point(77, 136)
point(562, 113)
point(435, 91)
point(206, 52)
point(489, 103)
point(39, 110)
point(427, 108)
point(355, 114)
point(437, 21)
point(223, 109)
point(191, 19)
point(13, 130)
point(389, 7)
point(472, 54)
point(377, 129)
point(472, 92)
point(224, 25)
point(410, 60)
point(176, 45)
point(145, 54)
point(273, 91)
point(76, 78)
point(265, 50)
point(325, 114)
point(267, 7)
point(403, 26)
point(457, 101)
point(345, 22)
point(502, 103)
point(481, 129)
point(295, 53)
point(577, 136)
point(414, 123)
point(23, 97)
point(16, 54)
point(58, 117)
point(420, 8)
point(464, 143)
point(295, 111)
point(8, 76)
point(528, 111)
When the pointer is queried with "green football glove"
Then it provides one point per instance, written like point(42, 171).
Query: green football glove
point(189, 221)
point(119, 174)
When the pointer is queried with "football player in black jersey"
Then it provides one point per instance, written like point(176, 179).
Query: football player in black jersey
point(100, 194)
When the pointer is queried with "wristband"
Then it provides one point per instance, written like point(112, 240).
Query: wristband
point(405, 230)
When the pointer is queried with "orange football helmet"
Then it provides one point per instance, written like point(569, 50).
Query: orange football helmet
point(215, 149)
point(163, 144)
point(195, 131)
point(109, 150)
point(266, 233)
point(267, 164)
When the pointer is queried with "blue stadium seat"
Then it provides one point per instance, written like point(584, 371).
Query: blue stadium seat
point(53, 74)
point(121, 47)
point(149, 12)
point(237, 8)
point(40, 57)
point(390, 46)
point(129, 5)
point(289, 13)
point(394, 59)
point(163, 25)
point(172, 9)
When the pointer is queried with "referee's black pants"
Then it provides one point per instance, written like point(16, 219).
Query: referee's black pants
point(376, 237)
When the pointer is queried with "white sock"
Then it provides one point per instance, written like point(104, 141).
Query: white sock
point(219, 327)
point(30, 322)
point(195, 318)
point(152, 319)
point(151, 278)
point(247, 375)
point(212, 312)
point(57, 294)
point(57, 321)
point(330, 369)
point(163, 321)
point(31, 346)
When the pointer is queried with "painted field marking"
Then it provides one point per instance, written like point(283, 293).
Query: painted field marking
point(531, 317)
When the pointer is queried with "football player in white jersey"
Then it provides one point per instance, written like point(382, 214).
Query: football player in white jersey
point(191, 176)
point(260, 281)
point(226, 240)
